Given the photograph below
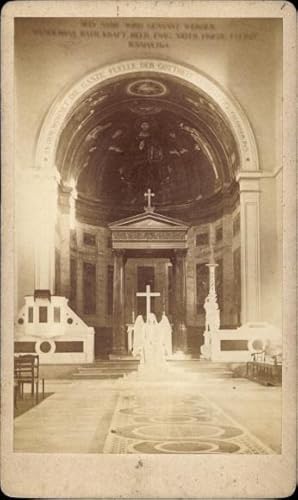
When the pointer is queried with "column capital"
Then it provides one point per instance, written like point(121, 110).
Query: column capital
point(64, 197)
point(249, 181)
point(118, 252)
point(180, 253)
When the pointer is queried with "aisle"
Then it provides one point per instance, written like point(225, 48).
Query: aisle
point(203, 414)
point(176, 418)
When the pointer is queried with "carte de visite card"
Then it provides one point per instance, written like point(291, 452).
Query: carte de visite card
point(148, 262)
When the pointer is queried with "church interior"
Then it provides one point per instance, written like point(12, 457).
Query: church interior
point(149, 183)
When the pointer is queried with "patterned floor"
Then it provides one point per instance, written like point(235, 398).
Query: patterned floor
point(180, 412)
point(155, 418)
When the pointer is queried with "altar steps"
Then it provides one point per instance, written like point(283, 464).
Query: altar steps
point(114, 369)
point(107, 369)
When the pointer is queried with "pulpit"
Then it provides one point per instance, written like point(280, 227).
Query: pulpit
point(48, 327)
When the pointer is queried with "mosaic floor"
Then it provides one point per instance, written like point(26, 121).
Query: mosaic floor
point(195, 413)
point(156, 419)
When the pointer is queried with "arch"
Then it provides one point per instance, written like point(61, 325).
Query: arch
point(63, 105)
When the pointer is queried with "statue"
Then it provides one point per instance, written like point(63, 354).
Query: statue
point(165, 330)
point(138, 336)
point(212, 322)
point(153, 349)
point(148, 344)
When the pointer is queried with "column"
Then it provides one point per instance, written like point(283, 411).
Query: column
point(119, 329)
point(64, 234)
point(80, 298)
point(250, 246)
point(45, 192)
point(227, 313)
point(180, 329)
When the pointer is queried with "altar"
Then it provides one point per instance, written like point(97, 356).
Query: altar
point(151, 235)
point(134, 329)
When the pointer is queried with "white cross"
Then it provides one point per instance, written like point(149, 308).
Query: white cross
point(149, 195)
point(148, 294)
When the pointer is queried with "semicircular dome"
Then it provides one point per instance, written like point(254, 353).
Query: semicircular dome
point(143, 131)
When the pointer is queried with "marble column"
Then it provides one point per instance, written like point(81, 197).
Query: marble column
point(64, 233)
point(80, 298)
point(119, 329)
point(45, 192)
point(250, 246)
point(180, 329)
point(227, 313)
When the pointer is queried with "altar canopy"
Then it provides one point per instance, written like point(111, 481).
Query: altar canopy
point(150, 235)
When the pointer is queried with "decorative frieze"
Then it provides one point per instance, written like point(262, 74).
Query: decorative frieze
point(149, 235)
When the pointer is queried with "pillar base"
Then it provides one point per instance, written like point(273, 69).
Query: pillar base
point(122, 357)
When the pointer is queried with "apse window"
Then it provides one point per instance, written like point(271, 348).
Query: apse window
point(236, 225)
point(202, 239)
point(43, 314)
point(219, 234)
point(57, 314)
point(89, 288)
point(30, 314)
point(89, 239)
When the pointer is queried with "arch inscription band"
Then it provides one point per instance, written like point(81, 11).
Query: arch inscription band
point(52, 126)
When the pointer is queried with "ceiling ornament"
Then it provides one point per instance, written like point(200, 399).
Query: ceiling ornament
point(95, 100)
point(200, 145)
point(97, 130)
point(146, 88)
point(198, 105)
point(144, 109)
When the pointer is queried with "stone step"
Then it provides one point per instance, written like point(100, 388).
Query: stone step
point(97, 376)
point(133, 365)
point(116, 363)
point(107, 370)
point(117, 375)
point(110, 369)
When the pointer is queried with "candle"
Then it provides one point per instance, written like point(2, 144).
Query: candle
point(133, 317)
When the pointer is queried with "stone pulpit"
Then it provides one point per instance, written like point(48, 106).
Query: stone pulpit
point(47, 326)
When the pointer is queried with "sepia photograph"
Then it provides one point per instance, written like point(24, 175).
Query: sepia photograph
point(148, 196)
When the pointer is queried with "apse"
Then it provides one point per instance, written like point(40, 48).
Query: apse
point(147, 130)
point(128, 135)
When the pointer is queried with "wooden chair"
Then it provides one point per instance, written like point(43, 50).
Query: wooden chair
point(26, 371)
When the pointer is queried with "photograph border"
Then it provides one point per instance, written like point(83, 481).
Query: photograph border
point(162, 476)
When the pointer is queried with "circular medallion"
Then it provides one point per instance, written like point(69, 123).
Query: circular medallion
point(146, 88)
point(257, 344)
point(45, 347)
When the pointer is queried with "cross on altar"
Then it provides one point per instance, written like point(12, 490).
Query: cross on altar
point(149, 194)
point(148, 294)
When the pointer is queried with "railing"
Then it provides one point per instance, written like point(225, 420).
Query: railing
point(264, 372)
